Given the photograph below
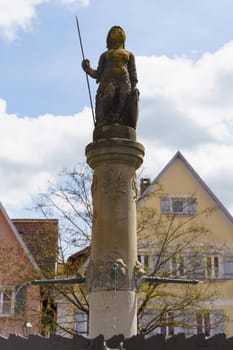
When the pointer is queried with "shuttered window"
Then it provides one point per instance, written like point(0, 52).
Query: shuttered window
point(178, 205)
point(80, 322)
point(228, 266)
point(196, 267)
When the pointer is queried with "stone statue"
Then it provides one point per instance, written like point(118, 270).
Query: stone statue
point(117, 95)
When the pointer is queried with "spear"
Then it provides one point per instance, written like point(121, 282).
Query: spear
point(88, 84)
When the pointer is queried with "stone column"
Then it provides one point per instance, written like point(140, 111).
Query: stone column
point(113, 269)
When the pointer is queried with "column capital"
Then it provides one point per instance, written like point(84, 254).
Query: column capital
point(115, 150)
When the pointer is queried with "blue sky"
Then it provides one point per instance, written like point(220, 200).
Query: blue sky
point(184, 55)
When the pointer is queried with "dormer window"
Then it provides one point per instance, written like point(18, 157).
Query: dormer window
point(178, 205)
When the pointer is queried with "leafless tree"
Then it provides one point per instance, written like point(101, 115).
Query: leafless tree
point(167, 240)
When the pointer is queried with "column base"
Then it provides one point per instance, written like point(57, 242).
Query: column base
point(113, 312)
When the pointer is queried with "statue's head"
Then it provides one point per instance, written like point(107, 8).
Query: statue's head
point(116, 36)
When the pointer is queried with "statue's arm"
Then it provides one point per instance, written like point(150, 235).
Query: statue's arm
point(132, 71)
point(87, 68)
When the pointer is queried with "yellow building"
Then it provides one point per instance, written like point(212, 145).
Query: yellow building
point(184, 204)
point(184, 232)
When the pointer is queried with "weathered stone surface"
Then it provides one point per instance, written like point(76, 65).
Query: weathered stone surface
point(113, 131)
point(113, 312)
point(113, 269)
point(114, 238)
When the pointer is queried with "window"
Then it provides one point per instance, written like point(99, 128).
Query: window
point(144, 259)
point(178, 265)
point(208, 266)
point(196, 266)
point(178, 205)
point(6, 302)
point(81, 322)
point(212, 266)
point(167, 327)
point(207, 322)
point(203, 323)
point(228, 266)
point(216, 266)
point(204, 266)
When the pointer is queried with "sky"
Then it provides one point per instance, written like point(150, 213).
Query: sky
point(184, 57)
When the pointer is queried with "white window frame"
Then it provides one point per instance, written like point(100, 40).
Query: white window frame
point(211, 322)
point(168, 329)
point(181, 265)
point(3, 291)
point(144, 260)
point(81, 322)
point(178, 262)
point(188, 208)
point(204, 327)
point(227, 265)
point(211, 272)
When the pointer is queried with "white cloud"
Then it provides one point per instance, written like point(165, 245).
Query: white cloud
point(198, 93)
point(187, 105)
point(19, 14)
point(16, 14)
point(34, 150)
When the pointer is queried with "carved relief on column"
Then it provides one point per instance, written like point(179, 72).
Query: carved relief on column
point(139, 273)
point(114, 182)
point(111, 273)
point(134, 187)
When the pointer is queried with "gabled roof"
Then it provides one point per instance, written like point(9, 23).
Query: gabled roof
point(179, 156)
point(81, 255)
point(20, 240)
point(41, 238)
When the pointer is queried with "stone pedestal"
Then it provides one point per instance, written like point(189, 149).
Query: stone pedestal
point(113, 269)
point(112, 313)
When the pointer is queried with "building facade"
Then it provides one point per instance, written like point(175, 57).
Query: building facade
point(25, 255)
point(184, 232)
point(197, 233)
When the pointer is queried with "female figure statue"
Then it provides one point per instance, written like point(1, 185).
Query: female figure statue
point(117, 95)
